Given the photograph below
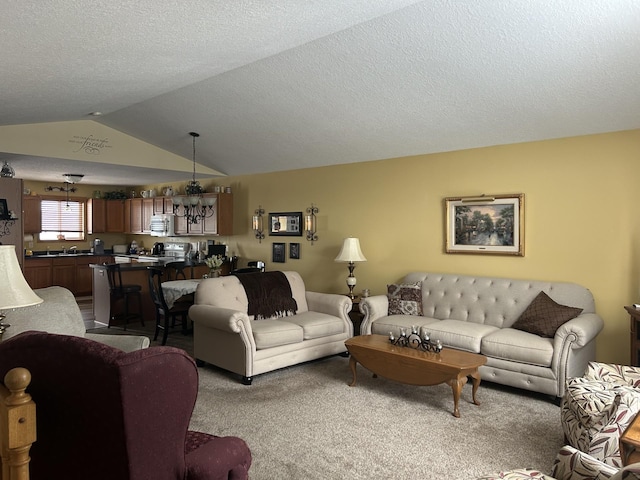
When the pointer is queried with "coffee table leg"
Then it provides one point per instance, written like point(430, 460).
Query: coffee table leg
point(476, 383)
point(456, 386)
point(352, 365)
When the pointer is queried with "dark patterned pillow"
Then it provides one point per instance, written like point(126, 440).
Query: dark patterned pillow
point(544, 316)
point(405, 298)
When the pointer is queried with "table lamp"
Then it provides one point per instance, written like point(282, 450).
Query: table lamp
point(351, 253)
point(15, 292)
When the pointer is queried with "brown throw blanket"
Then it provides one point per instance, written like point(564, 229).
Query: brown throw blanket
point(269, 294)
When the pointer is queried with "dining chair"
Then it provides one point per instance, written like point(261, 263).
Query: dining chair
point(175, 270)
point(165, 316)
point(122, 293)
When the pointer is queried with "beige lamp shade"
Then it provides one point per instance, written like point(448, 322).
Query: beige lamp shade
point(350, 251)
point(14, 290)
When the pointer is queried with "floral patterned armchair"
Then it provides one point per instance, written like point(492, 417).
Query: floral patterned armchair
point(572, 464)
point(598, 407)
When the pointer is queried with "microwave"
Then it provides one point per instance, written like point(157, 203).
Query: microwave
point(163, 225)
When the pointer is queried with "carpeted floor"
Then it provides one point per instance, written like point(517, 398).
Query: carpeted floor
point(306, 423)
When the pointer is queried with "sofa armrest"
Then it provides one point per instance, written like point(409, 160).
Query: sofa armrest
point(330, 304)
point(126, 343)
point(225, 319)
point(373, 308)
point(582, 329)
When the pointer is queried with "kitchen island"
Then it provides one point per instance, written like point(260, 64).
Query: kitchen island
point(133, 272)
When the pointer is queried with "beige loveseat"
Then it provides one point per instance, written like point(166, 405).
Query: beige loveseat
point(225, 335)
point(476, 314)
point(59, 313)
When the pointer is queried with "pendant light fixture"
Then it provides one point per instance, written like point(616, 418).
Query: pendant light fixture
point(69, 179)
point(194, 207)
point(7, 171)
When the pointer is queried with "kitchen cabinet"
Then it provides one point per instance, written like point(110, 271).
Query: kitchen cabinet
point(134, 208)
point(31, 214)
point(105, 216)
point(63, 272)
point(37, 272)
point(147, 213)
point(84, 276)
point(220, 223)
point(72, 272)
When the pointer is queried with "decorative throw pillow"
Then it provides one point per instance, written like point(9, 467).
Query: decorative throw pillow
point(405, 299)
point(544, 316)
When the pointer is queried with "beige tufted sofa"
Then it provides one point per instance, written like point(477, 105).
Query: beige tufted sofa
point(224, 334)
point(475, 314)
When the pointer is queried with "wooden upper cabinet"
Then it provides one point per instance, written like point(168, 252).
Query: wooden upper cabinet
point(220, 223)
point(96, 215)
point(135, 215)
point(115, 216)
point(147, 212)
point(31, 214)
point(105, 216)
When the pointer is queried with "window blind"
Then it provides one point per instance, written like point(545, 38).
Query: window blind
point(60, 217)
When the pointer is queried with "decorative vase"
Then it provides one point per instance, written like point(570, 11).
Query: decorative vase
point(214, 273)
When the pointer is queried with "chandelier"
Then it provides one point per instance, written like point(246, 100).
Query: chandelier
point(69, 179)
point(194, 206)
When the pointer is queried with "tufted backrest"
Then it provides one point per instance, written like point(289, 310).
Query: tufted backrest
point(490, 300)
point(228, 292)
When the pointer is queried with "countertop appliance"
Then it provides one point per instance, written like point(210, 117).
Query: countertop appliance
point(177, 250)
point(98, 246)
point(158, 249)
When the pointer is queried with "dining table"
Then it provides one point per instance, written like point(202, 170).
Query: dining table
point(174, 290)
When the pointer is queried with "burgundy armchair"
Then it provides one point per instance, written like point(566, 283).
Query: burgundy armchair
point(105, 414)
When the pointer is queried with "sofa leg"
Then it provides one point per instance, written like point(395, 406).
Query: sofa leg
point(247, 380)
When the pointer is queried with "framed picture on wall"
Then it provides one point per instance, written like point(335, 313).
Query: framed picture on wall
point(285, 224)
point(294, 251)
point(488, 224)
point(278, 252)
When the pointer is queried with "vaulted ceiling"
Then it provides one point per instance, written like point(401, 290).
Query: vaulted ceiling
point(280, 85)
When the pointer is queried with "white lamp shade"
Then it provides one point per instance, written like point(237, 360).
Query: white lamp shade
point(350, 251)
point(14, 290)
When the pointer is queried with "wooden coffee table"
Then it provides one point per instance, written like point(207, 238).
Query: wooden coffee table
point(415, 367)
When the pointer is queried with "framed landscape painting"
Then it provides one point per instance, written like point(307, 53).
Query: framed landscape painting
point(488, 224)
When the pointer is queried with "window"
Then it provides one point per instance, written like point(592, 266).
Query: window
point(62, 220)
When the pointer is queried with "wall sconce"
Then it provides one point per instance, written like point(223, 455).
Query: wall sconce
point(310, 224)
point(257, 223)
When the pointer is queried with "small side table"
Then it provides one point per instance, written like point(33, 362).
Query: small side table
point(630, 443)
point(355, 315)
point(634, 314)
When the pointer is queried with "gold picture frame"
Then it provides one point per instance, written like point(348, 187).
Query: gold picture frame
point(486, 224)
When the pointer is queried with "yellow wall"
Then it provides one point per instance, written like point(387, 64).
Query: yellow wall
point(581, 223)
point(581, 220)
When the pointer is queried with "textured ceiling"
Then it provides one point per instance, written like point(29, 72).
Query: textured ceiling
point(279, 85)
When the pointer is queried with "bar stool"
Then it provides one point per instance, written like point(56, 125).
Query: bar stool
point(122, 293)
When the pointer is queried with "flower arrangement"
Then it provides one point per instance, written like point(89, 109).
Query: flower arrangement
point(214, 262)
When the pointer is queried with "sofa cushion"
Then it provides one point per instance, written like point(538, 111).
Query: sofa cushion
point(316, 324)
point(405, 298)
point(543, 316)
point(273, 333)
point(459, 334)
point(518, 346)
point(393, 323)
